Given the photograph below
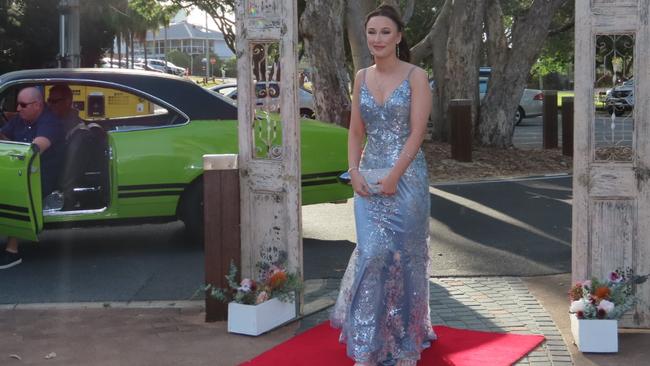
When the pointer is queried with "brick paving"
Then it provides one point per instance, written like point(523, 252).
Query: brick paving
point(496, 304)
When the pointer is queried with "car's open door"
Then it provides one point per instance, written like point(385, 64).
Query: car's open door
point(21, 213)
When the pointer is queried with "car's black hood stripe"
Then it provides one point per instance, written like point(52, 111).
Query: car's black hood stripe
point(148, 194)
point(319, 182)
point(141, 187)
point(13, 208)
point(14, 216)
point(321, 175)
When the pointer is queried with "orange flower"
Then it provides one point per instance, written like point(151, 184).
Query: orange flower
point(278, 279)
point(602, 292)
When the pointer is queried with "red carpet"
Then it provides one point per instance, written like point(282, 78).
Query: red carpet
point(319, 346)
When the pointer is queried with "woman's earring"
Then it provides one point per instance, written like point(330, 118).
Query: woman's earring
point(397, 46)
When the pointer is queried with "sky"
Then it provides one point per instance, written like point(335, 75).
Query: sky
point(197, 17)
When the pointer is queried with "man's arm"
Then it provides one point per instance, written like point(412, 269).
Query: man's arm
point(43, 143)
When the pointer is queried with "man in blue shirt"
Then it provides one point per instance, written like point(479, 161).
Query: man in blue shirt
point(35, 124)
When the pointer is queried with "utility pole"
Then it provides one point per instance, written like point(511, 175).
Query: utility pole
point(69, 48)
point(207, 49)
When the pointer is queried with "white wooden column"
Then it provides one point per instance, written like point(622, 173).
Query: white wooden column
point(611, 181)
point(269, 144)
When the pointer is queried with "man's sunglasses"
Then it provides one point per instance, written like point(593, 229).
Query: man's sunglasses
point(24, 105)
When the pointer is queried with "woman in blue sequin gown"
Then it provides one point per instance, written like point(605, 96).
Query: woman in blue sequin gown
point(383, 305)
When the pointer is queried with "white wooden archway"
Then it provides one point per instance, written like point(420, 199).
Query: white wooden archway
point(611, 183)
point(269, 149)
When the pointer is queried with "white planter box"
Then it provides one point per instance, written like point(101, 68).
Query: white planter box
point(595, 335)
point(257, 319)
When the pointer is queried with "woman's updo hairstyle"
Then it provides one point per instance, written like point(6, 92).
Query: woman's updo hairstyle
point(388, 11)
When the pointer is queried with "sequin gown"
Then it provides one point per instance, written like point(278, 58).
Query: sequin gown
point(383, 305)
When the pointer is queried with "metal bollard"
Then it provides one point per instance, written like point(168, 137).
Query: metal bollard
point(221, 226)
point(460, 113)
point(567, 126)
point(550, 119)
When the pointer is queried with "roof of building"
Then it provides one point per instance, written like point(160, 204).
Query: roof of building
point(185, 30)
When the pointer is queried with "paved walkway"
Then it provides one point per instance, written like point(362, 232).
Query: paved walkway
point(496, 304)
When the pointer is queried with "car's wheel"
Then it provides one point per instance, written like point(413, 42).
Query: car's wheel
point(190, 211)
point(617, 111)
point(307, 113)
point(519, 115)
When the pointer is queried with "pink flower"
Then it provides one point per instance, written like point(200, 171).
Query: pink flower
point(586, 284)
point(606, 306)
point(246, 285)
point(261, 297)
point(615, 277)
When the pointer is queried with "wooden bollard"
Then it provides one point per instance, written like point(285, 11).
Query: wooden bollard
point(221, 227)
point(550, 119)
point(460, 114)
point(567, 126)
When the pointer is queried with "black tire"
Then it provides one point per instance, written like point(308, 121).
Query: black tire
point(519, 115)
point(190, 211)
point(307, 113)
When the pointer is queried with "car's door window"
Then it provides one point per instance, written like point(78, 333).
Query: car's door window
point(115, 109)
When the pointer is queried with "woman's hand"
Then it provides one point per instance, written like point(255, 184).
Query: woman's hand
point(359, 185)
point(388, 185)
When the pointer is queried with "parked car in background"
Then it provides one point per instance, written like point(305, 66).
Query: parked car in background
point(272, 90)
point(531, 103)
point(620, 98)
point(144, 162)
point(163, 66)
point(143, 66)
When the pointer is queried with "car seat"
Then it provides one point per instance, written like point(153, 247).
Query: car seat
point(83, 177)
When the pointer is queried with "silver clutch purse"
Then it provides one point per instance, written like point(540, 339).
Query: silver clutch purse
point(372, 176)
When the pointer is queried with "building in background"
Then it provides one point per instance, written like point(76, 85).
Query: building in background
point(187, 38)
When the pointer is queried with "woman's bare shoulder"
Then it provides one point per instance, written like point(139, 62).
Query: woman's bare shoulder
point(416, 71)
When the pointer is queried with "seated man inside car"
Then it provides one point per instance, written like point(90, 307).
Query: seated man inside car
point(60, 102)
point(36, 124)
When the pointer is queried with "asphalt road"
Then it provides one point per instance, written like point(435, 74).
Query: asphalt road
point(520, 228)
point(529, 133)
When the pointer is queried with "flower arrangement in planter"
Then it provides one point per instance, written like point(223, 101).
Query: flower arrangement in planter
point(596, 305)
point(255, 307)
point(606, 299)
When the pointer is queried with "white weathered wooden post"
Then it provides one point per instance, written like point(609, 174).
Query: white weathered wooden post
point(611, 182)
point(269, 147)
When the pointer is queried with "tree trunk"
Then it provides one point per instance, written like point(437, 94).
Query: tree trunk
point(463, 53)
point(511, 66)
point(434, 45)
point(132, 40)
point(327, 56)
point(119, 50)
point(356, 12)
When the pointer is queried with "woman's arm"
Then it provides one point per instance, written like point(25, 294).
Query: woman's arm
point(356, 138)
point(421, 101)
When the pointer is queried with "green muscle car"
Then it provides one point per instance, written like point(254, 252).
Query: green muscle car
point(141, 157)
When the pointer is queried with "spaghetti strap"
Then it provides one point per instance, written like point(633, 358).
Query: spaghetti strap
point(364, 75)
point(408, 76)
